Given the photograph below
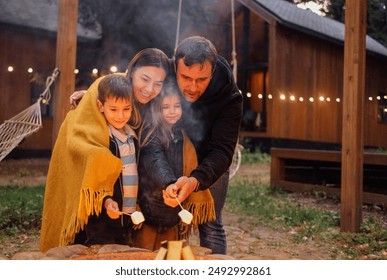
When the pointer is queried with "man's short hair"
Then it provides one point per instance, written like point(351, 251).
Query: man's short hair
point(196, 50)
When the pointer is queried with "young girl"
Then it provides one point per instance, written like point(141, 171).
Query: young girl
point(163, 139)
point(93, 172)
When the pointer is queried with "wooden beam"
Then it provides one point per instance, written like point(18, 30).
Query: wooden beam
point(353, 115)
point(66, 49)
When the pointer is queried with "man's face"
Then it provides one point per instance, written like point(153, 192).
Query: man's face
point(193, 80)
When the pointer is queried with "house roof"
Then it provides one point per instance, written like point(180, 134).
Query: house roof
point(42, 15)
point(290, 15)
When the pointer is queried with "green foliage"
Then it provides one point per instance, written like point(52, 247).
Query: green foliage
point(264, 205)
point(254, 157)
point(376, 17)
point(272, 207)
point(20, 208)
point(369, 243)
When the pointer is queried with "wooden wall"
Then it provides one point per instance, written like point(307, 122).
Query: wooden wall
point(23, 50)
point(305, 66)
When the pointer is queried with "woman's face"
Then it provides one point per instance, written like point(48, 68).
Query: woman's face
point(147, 83)
point(171, 109)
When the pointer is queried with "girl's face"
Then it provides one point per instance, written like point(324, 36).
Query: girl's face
point(117, 111)
point(147, 83)
point(171, 109)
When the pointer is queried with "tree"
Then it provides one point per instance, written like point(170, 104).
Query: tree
point(376, 17)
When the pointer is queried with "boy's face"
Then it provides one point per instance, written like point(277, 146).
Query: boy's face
point(172, 110)
point(193, 80)
point(117, 111)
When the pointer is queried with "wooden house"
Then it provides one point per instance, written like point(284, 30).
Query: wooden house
point(290, 69)
point(291, 73)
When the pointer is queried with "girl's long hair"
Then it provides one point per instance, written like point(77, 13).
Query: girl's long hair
point(153, 124)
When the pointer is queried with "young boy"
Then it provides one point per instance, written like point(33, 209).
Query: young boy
point(93, 172)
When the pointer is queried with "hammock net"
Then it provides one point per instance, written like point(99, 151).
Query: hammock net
point(14, 130)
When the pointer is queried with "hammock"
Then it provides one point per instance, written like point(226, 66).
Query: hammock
point(14, 130)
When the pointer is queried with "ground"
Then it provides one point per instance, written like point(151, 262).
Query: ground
point(246, 240)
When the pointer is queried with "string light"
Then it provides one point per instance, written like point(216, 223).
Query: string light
point(282, 96)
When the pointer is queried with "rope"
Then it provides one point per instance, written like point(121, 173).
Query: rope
point(14, 130)
point(237, 158)
point(178, 24)
point(233, 53)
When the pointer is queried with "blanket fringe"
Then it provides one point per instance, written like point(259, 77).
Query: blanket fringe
point(92, 204)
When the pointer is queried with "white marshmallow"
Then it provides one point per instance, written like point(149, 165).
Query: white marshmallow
point(137, 217)
point(185, 216)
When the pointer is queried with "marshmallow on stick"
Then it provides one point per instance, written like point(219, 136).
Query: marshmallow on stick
point(185, 216)
point(137, 217)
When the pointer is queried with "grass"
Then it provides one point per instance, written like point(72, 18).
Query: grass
point(20, 209)
point(248, 196)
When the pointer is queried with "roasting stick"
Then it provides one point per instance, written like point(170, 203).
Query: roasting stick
point(124, 213)
point(178, 201)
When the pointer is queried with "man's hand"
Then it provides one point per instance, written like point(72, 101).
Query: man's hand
point(75, 98)
point(181, 189)
point(112, 209)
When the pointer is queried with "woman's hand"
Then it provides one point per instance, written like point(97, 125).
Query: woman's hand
point(75, 98)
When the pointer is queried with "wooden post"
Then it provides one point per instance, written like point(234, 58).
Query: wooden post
point(353, 115)
point(66, 49)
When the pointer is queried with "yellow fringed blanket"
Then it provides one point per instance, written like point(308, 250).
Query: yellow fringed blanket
point(201, 203)
point(82, 172)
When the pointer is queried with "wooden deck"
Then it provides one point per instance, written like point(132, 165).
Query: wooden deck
point(302, 170)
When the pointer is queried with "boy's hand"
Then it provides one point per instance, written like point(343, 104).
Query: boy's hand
point(112, 209)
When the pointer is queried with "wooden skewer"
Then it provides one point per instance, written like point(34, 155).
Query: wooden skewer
point(124, 213)
point(178, 201)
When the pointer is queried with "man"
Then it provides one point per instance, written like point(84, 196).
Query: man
point(212, 115)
